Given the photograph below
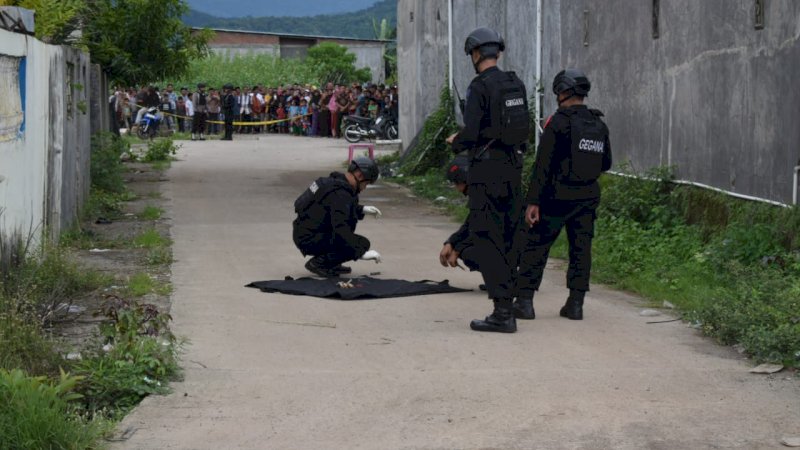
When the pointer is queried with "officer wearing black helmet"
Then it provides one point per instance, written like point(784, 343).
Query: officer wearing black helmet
point(496, 126)
point(564, 192)
point(228, 106)
point(327, 214)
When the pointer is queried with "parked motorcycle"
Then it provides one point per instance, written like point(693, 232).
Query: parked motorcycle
point(148, 126)
point(358, 128)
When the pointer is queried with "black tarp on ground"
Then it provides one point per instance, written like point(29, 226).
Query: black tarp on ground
point(363, 287)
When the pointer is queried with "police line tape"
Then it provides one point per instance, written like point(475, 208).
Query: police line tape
point(251, 124)
point(238, 124)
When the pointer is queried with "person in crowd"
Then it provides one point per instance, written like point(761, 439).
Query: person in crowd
point(343, 108)
point(245, 110)
point(327, 214)
point(200, 105)
point(334, 111)
point(180, 111)
point(214, 109)
point(228, 109)
point(325, 113)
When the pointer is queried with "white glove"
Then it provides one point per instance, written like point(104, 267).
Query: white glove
point(373, 211)
point(371, 255)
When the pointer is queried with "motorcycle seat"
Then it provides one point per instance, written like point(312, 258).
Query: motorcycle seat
point(358, 119)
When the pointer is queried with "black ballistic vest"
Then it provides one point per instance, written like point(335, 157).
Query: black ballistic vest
point(317, 191)
point(510, 120)
point(588, 137)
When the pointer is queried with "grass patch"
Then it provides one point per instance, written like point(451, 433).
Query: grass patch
point(151, 239)
point(161, 165)
point(151, 213)
point(142, 284)
point(159, 256)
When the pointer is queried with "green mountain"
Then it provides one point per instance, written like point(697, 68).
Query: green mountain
point(357, 24)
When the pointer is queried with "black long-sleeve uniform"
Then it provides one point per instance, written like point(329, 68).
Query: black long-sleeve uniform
point(228, 106)
point(563, 201)
point(494, 182)
point(327, 215)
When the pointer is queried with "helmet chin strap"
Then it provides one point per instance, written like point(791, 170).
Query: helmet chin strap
point(478, 63)
point(566, 98)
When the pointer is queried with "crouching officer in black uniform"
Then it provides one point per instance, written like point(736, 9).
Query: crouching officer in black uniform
point(574, 151)
point(228, 104)
point(496, 125)
point(327, 214)
point(459, 244)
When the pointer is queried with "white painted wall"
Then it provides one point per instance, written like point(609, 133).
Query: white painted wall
point(23, 161)
point(44, 173)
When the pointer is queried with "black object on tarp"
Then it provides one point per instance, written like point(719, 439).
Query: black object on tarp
point(363, 288)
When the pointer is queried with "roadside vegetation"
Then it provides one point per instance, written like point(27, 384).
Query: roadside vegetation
point(62, 393)
point(731, 267)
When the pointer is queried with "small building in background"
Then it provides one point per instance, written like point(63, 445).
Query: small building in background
point(369, 52)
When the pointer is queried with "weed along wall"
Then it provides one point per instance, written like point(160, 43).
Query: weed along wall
point(44, 135)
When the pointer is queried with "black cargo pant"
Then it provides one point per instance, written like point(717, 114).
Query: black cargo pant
point(199, 122)
point(495, 213)
point(578, 217)
point(228, 127)
point(331, 251)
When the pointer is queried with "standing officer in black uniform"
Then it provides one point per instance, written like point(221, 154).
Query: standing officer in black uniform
point(574, 151)
point(496, 125)
point(228, 106)
point(327, 214)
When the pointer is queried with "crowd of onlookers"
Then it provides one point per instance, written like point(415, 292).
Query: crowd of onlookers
point(305, 109)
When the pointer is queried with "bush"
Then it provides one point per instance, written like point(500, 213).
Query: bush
point(160, 150)
point(142, 358)
point(37, 414)
point(106, 166)
point(431, 150)
point(731, 265)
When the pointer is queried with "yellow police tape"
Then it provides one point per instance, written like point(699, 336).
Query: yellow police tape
point(250, 124)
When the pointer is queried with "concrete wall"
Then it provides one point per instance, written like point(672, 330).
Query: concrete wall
point(712, 96)
point(422, 60)
point(422, 47)
point(45, 170)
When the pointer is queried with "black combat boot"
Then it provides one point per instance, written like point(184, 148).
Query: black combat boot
point(500, 321)
point(317, 266)
point(340, 269)
point(523, 308)
point(573, 308)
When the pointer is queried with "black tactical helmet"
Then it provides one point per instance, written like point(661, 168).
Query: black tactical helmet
point(490, 40)
point(369, 168)
point(457, 170)
point(571, 79)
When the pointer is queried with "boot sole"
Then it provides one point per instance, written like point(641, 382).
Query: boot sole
point(519, 315)
point(492, 330)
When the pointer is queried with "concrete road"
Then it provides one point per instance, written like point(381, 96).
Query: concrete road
point(267, 371)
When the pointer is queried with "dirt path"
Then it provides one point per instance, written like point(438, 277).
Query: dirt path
point(266, 371)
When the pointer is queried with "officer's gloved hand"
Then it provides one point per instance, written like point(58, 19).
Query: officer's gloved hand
point(373, 211)
point(371, 255)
